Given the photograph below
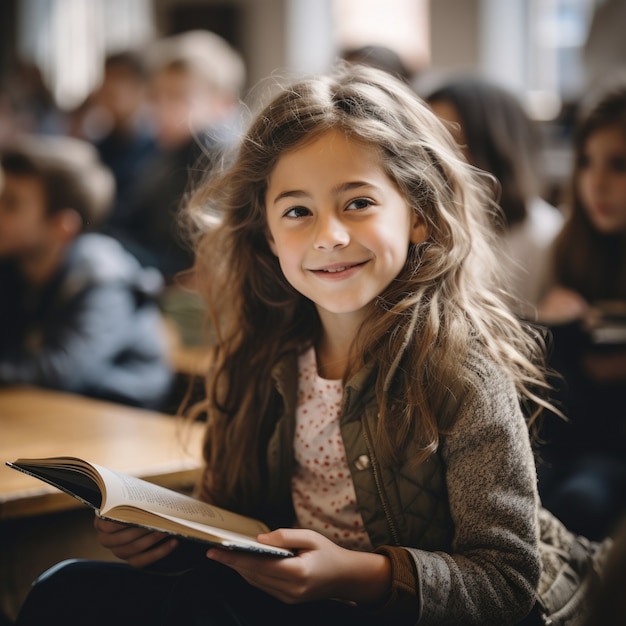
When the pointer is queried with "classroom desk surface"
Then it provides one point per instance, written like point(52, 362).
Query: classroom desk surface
point(39, 423)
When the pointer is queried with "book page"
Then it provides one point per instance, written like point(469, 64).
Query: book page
point(232, 540)
point(124, 489)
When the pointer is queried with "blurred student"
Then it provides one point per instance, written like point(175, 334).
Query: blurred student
point(32, 101)
point(587, 484)
point(77, 311)
point(498, 137)
point(118, 124)
point(195, 88)
point(380, 57)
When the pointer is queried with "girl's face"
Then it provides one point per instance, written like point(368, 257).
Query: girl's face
point(602, 179)
point(338, 224)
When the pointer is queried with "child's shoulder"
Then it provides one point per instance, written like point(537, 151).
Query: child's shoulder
point(97, 259)
point(482, 371)
point(488, 386)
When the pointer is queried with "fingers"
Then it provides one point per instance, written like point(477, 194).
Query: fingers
point(160, 551)
point(286, 579)
point(295, 538)
point(137, 546)
point(320, 569)
point(130, 539)
point(263, 572)
point(252, 565)
point(291, 538)
point(142, 549)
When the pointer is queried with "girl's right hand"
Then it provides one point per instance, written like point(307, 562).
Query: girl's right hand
point(138, 546)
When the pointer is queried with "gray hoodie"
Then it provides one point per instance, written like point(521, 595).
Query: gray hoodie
point(94, 329)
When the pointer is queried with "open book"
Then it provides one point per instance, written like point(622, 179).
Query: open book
point(130, 500)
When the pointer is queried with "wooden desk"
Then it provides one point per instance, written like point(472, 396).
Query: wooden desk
point(39, 525)
point(37, 423)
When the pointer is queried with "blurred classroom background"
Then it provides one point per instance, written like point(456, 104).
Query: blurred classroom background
point(54, 58)
point(549, 52)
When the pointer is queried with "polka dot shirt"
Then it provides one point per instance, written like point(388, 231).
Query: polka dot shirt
point(322, 488)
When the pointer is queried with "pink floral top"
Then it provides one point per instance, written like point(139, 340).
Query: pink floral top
point(322, 488)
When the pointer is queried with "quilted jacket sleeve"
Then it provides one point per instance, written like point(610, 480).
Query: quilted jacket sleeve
point(490, 575)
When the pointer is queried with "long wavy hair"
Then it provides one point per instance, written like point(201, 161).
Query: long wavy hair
point(444, 304)
point(590, 262)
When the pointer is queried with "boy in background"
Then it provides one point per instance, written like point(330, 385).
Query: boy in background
point(126, 137)
point(77, 312)
point(196, 80)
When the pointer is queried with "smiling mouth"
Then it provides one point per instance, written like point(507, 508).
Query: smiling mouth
point(338, 268)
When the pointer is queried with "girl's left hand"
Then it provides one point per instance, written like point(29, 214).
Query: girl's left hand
point(320, 570)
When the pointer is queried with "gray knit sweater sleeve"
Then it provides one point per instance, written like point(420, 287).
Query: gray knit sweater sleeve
point(491, 574)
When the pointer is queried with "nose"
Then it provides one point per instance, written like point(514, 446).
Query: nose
point(331, 233)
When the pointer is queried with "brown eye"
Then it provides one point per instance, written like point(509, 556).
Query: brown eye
point(297, 211)
point(360, 203)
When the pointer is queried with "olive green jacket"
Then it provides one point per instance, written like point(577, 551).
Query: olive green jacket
point(466, 536)
point(461, 529)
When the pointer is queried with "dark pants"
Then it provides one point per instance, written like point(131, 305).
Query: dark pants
point(93, 593)
point(106, 594)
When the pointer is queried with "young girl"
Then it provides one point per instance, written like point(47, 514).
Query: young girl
point(588, 486)
point(365, 394)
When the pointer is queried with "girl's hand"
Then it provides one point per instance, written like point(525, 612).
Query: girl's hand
point(562, 305)
point(138, 546)
point(320, 569)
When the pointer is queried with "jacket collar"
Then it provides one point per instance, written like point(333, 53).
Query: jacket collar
point(359, 388)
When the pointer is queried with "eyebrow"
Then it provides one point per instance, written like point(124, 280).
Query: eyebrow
point(341, 188)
